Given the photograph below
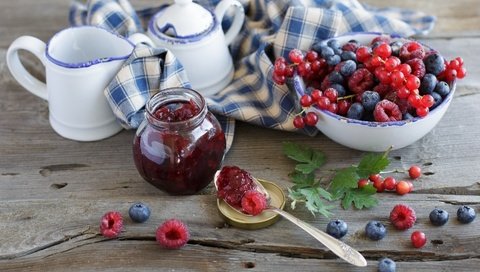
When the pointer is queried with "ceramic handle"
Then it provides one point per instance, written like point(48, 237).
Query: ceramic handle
point(24, 78)
point(238, 20)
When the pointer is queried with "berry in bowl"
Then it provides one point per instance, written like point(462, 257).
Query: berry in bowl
point(370, 91)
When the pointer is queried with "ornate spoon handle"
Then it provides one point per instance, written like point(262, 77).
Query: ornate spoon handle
point(338, 247)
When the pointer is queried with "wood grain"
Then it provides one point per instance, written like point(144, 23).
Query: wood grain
point(53, 191)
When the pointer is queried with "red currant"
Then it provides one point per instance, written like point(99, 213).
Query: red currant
point(402, 187)
point(298, 122)
point(391, 63)
point(306, 100)
point(412, 82)
point(422, 111)
point(414, 171)
point(397, 78)
point(461, 72)
point(403, 92)
point(280, 80)
point(418, 239)
point(343, 106)
point(415, 100)
point(428, 100)
point(316, 94)
point(310, 119)
point(405, 69)
point(333, 108)
point(383, 50)
point(295, 56)
point(450, 75)
point(332, 94)
point(323, 103)
point(289, 71)
point(363, 53)
point(362, 183)
point(304, 69)
point(390, 183)
point(312, 56)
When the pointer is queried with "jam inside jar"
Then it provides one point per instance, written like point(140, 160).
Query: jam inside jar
point(180, 144)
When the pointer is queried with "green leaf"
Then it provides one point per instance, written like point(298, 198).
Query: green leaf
point(309, 159)
point(312, 197)
point(360, 198)
point(372, 164)
point(302, 179)
point(344, 178)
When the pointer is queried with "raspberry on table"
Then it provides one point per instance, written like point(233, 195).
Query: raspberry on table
point(465, 214)
point(337, 228)
point(375, 230)
point(254, 202)
point(386, 265)
point(172, 234)
point(438, 217)
point(402, 217)
point(386, 110)
point(139, 212)
point(111, 224)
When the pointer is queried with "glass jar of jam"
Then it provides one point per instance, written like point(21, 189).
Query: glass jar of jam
point(180, 144)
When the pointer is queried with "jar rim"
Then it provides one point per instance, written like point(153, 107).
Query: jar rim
point(176, 94)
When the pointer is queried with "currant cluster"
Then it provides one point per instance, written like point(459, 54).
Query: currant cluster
point(401, 187)
point(387, 80)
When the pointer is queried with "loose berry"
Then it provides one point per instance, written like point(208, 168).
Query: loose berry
point(111, 224)
point(375, 230)
point(438, 217)
point(418, 239)
point(414, 171)
point(139, 212)
point(254, 202)
point(465, 214)
point(337, 228)
point(379, 185)
point(390, 183)
point(375, 177)
point(387, 111)
point(310, 119)
point(386, 265)
point(362, 183)
point(402, 188)
point(402, 217)
point(172, 234)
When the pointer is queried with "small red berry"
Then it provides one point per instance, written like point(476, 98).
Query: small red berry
point(403, 92)
point(363, 53)
point(298, 122)
point(375, 177)
point(410, 186)
point(402, 187)
point(311, 56)
point(422, 111)
point(343, 106)
point(412, 82)
point(428, 100)
point(310, 119)
point(295, 56)
point(332, 94)
point(383, 50)
point(323, 103)
point(379, 185)
point(306, 100)
point(172, 234)
point(362, 183)
point(415, 100)
point(316, 94)
point(418, 239)
point(415, 171)
point(111, 224)
point(254, 202)
point(333, 108)
point(390, 183)
point(402, 217)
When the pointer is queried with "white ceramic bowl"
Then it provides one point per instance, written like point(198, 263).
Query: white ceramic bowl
point(373, 136)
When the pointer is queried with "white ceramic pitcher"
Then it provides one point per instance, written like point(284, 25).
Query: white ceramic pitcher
point(195, 36)
point(79, 63)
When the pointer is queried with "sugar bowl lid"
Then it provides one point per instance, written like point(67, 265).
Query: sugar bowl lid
point(183, 19)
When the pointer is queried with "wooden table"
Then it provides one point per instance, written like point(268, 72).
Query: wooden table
point(53, 191)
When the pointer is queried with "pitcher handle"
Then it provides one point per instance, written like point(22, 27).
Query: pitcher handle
point(238, 19)
point(24, 78)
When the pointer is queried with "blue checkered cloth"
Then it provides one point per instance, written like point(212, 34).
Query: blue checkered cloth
point(272, 27)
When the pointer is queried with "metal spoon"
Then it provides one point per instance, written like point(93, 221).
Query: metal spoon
point(338, 247)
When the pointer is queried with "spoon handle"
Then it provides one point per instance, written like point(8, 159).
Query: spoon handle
point(338, 247)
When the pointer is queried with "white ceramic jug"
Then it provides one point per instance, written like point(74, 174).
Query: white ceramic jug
point(195, 36)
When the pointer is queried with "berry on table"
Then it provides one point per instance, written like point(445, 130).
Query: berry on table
point(139, 212)
point(172, 234)
point(414, 171)
point(375, 230)
point(438, 217)
point(362, 183)
point(402, 217)
point(337, 228)
point(386, 265)
point(418, 239)
point(465, 214)
point(390, 183)
point(254, 202)
point(111, 224)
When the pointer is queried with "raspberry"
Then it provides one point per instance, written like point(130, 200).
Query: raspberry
point(172, 234)
point(411, 50)
point(360, 81)
point(418, 67)
point(386, 110)
point(402, 217)
point(139, 212)
point(111, 224)
point(418, 239)
point(232, 183)
point(254, 202)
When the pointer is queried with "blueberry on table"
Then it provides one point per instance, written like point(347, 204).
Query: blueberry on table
point(337, 228)
point(139, 212)
point(386, 265)
point(375, 230)
point(438, 217)
point(465, 214)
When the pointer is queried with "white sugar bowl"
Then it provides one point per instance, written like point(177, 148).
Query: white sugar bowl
point(195, 36)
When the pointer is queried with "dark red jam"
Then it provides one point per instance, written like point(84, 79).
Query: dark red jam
point(232, 184)
point(180, 145)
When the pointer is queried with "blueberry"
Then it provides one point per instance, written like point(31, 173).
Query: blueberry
point(139, 212)
point(369, 100)
point(337, 228)
point(348, 67)
point(396, 45)
point(465, 214)
point(317, 47)
point(437, 98)
point(335, 77)
point(442, 88)
point(407, 116)
point(434, 63)
point(333, 60)
point(326, 52)
point(428, 84)
point(375, 230)
point(386, 265)
point(438, 217)
point(348, 55)
point(355, 111)
point(333, 43)
point(340, 89)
